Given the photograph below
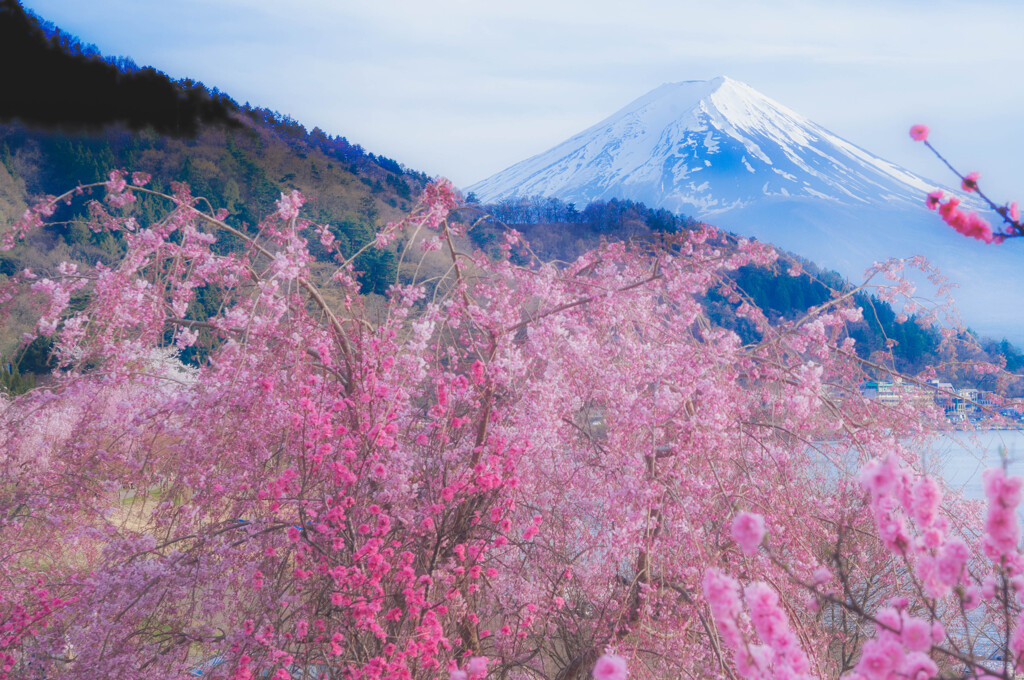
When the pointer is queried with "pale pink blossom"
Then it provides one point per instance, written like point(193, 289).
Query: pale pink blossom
point(879, 658)
point(115, 183)
point(722, 593)
point(288, 205)
point(879, 477)
point(916, 634)
point(610, 667)
point(951, 560)
point(748, 531)
point(821, 575)
point(999, 488)
point(926, 497)
point(919, 666)
point(477, 667)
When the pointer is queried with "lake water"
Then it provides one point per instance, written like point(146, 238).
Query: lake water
point(960, 457)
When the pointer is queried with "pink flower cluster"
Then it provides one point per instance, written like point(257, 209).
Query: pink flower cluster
point(748, 531)
point(886, 481)
point(357, 479)
point(289, 204)
point(117, 194)
point(900, 647)
point(938, 562)
point(779, 654)
point(919, 133)
point(970, 182)
point(1002, 531)
point(967, 223)
point(476, 669)
point(610, 667)
point(440, 197)
point(896, 496)
point(24, 619)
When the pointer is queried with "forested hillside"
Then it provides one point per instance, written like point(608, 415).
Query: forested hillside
point(71, 115)
point(785, 293)
point(241, 169)
point(99, 113)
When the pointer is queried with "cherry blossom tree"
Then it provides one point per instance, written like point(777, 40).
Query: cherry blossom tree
point(502, 471)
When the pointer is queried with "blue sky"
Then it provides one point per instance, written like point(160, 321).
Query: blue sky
point(465, 88)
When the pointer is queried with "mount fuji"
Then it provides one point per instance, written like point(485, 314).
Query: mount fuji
point(722, 152)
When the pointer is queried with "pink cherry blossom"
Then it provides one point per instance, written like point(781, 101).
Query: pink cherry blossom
point(926, 497)
point(970, 182)
point(919, 666)
point(344, 482)
point(916, 634)
point(610, 667)
point(748, 531)
point(289, 204)
point(477, 667)
point(880, 658)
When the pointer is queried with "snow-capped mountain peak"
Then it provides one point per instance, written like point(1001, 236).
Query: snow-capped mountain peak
point(720, 151)
point(705, 148)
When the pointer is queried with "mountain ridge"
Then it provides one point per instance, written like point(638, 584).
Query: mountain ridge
point(672, 146)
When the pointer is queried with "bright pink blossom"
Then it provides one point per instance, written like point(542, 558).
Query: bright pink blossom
point(919, 133)
point(970, 182)
point(968, 224)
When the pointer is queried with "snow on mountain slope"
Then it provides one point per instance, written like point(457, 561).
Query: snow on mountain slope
point(720, 151)
point(704, 148)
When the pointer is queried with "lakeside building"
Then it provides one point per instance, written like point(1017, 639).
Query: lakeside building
point(958, 404)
